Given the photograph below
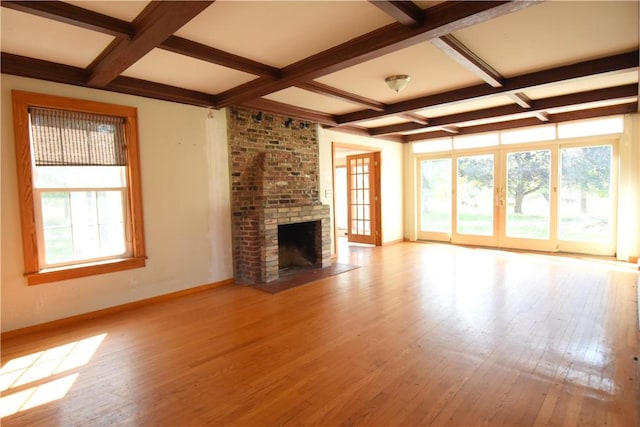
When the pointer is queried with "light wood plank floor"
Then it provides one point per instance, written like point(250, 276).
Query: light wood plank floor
point(420, 335)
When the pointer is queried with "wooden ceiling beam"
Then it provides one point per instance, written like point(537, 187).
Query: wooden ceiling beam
point(592, 113)
point(440, 20)
point(69, 14)
point(50, 71)
point(405, 12)
point(24, 66)
point(451, 129)
point(84, 18)
point(206, 53)
point(415, 118)
point(538, 109)
point(156, 23)
point(469, 60)
point(607, 65)
point(521, 99)
point(333, 92)
point(531, 121)
point(543, 116)
point(160, 91)
point(398, 127)
point(357, 130)
point(289, 110)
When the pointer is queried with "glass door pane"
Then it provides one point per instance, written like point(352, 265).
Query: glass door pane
point(435, 196)
point(359, 179)
point(527, 195)
point(474, 195)
point(586, 205)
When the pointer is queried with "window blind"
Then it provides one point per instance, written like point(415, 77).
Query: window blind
point(69, 138)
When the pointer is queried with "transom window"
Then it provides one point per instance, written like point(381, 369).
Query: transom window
point(80, 190)
point(541, 133)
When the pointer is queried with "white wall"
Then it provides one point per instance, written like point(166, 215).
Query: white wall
point(629, 189)
point(410, 194)
point(390, 178)
point(187, 214)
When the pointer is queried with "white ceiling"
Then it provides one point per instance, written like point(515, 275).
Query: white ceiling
point(554, 33)
point(278, 34)
point(188, 72)
point(430, 69)
point(42, 38)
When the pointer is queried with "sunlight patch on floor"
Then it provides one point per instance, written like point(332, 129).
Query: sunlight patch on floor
point(35, 379)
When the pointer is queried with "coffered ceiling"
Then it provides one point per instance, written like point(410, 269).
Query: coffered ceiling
point(474, 66)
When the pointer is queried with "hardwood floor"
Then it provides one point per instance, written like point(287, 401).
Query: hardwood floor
point(420, 335)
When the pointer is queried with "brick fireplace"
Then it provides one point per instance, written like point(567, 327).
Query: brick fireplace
point(274, 181)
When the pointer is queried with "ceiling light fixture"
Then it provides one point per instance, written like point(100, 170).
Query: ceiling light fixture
point(398, 82)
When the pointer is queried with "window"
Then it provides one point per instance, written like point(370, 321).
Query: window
point(535, 134)
point(539, 133)
point(79, 187)
point(475, 141)
point(604, 126)
point(432, 145)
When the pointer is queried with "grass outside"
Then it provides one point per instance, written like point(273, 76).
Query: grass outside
point(576, 228)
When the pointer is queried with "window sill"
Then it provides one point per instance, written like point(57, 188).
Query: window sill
point(74, 272)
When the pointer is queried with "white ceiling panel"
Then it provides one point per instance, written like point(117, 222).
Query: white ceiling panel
point(431, 72)
point(410, 132)
point(582, 85)
point(125, 10)
point(35, 37)
point(385, 121)
point(523, 115)
point(554, 33)
point(313, 101)
point(599, 104)
point(186, 72)
point(462, 107)
point(278, 33)
point(425, 4)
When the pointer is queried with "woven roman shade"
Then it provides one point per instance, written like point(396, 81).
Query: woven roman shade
point(69, 138)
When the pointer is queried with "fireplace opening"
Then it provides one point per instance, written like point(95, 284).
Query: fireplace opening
point(299, 244)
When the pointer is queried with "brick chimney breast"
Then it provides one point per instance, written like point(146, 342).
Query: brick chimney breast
point(274, 181)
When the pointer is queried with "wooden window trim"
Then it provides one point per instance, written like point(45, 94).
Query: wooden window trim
point(21, 102)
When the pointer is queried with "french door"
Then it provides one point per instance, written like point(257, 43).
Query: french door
point(555, 197)
point(525, 199)
point(363, 198)
point(475, 207)
point(587, 198)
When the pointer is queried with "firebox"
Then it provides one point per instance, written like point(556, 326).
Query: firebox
point(299, 244)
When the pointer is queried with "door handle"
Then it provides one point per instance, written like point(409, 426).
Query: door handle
point(500, 193)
